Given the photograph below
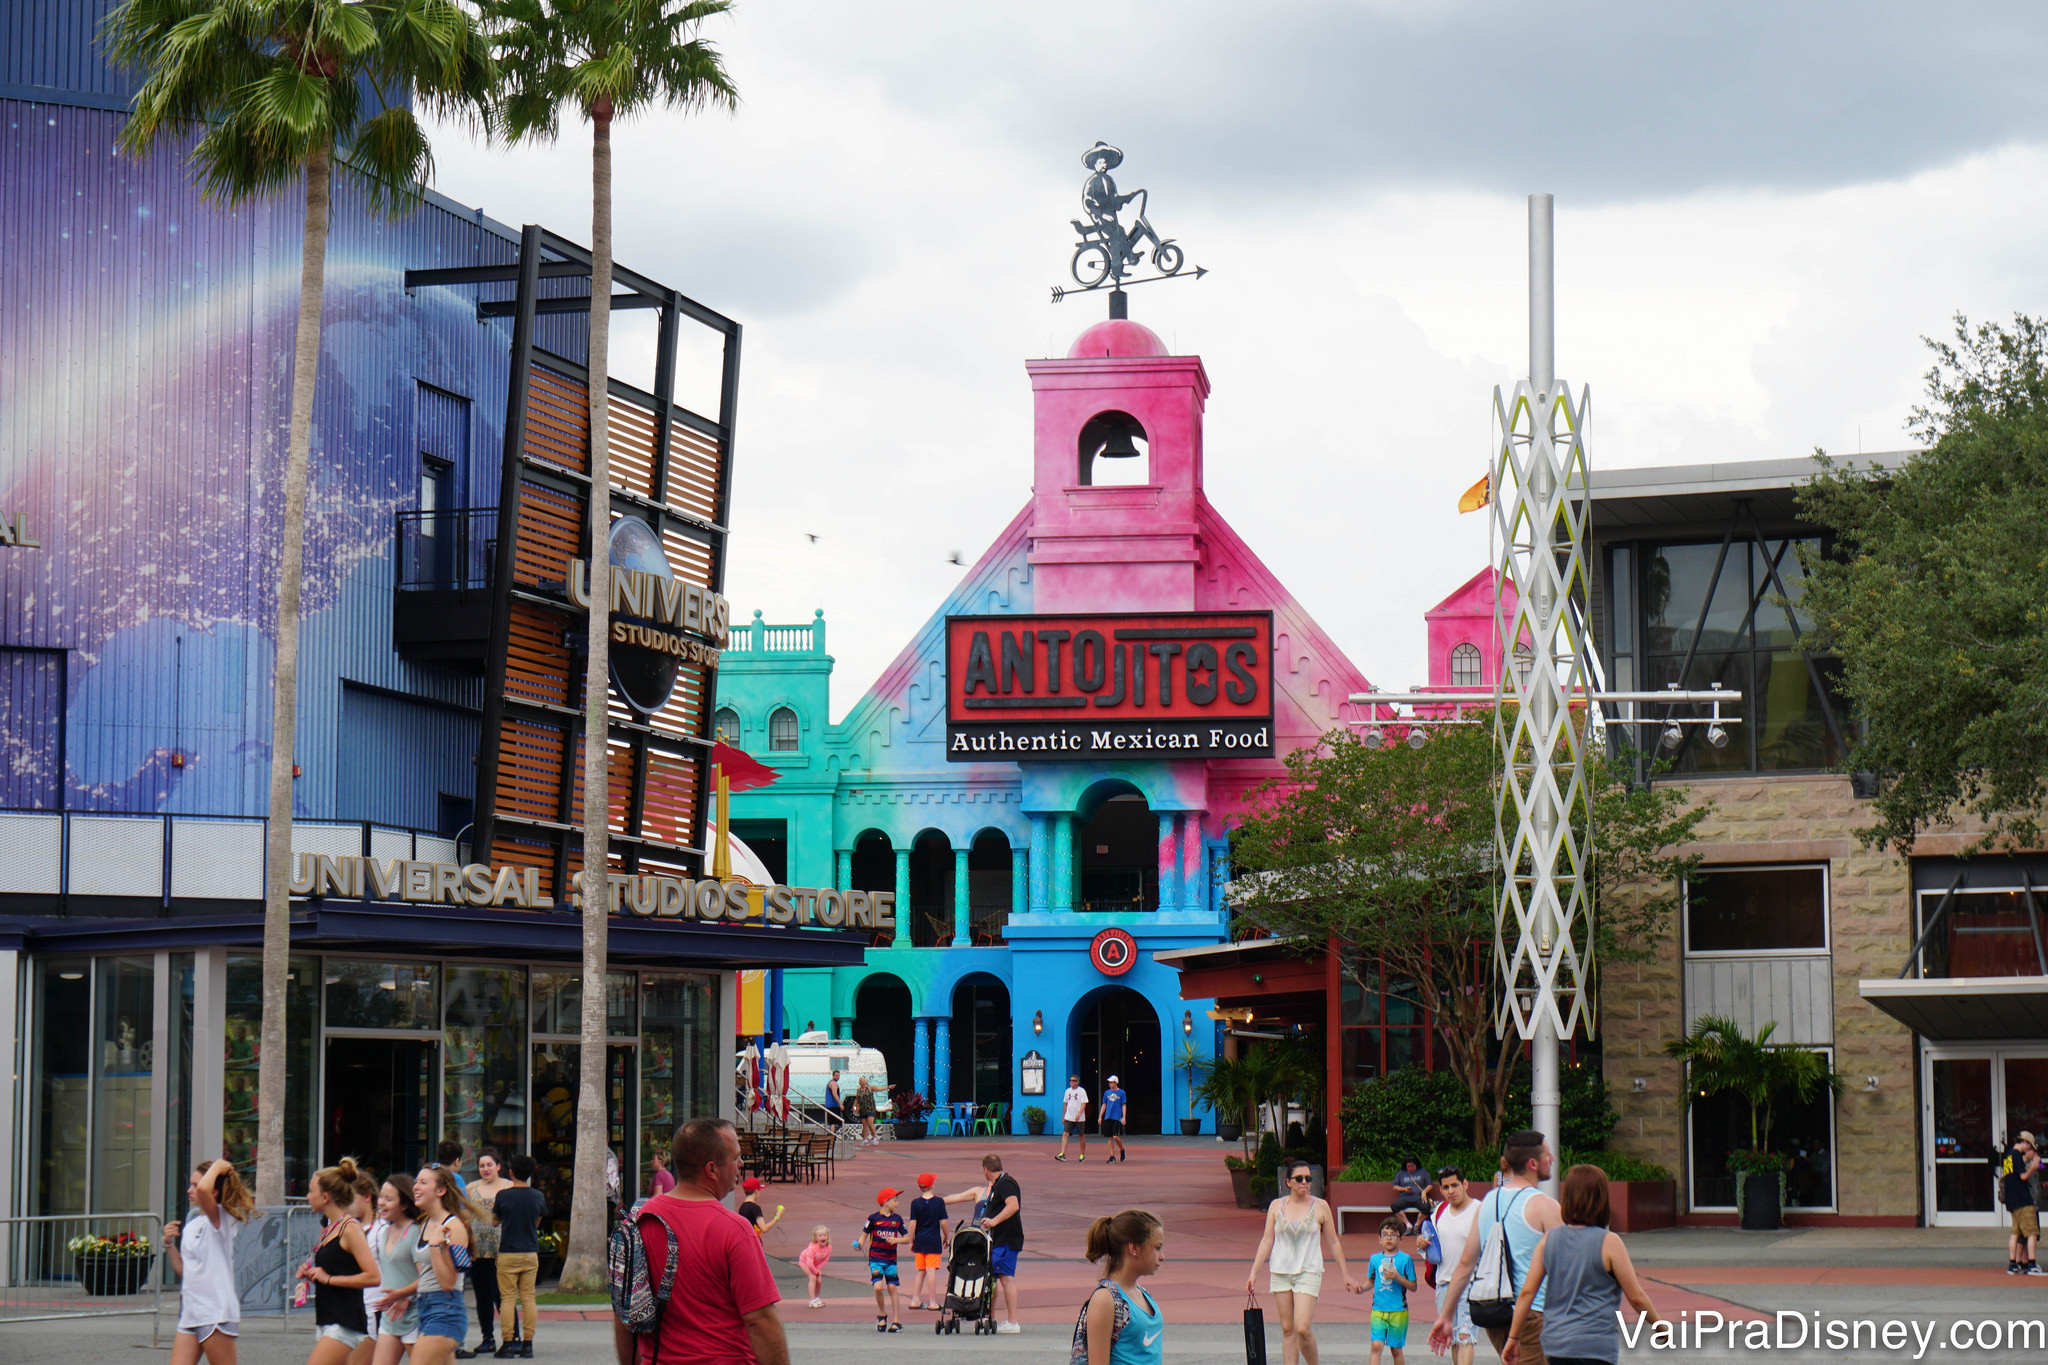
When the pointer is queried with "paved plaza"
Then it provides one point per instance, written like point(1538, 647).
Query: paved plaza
point(1928, 1277)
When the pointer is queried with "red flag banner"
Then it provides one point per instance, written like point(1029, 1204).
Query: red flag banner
point(743, 773)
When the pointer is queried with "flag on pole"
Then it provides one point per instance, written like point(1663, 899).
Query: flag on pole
point(743, 773)
point(1477, 496)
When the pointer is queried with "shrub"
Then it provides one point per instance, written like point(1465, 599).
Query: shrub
point(1294, 1138)
point(1413, 1110)
point(1268, 1159)
point(1033, 1114)
point(1479, 1167)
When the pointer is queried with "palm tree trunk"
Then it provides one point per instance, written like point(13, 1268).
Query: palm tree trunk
point(271, 1081)
point(583, 1270)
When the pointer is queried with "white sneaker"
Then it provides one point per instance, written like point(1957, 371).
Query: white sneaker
point(1008, 1327)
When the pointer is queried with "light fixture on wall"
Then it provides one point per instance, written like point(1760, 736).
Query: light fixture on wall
point(1641, 1083)
point(1187, 1021)
point(1870, 1082)
point(1038, 1021)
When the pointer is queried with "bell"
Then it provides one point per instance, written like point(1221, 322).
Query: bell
point(1119, 446)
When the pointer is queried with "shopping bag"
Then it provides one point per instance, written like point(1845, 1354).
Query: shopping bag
point(1254, 1332)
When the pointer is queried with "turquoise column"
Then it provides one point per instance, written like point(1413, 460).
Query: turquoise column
point(1062, 864)
point(942, 1061)
point(1169, 863)
point(921, 1058)
point(843, 870)
point(1020, 873)
point(1040, 862)
point(963, 930)
point(902, 887)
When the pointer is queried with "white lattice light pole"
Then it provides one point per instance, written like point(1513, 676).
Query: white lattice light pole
point(1542, 815)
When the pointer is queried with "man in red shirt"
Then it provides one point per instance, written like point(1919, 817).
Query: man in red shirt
point(723, 1307)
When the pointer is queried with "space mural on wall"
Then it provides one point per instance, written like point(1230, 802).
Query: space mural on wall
point(145, 390)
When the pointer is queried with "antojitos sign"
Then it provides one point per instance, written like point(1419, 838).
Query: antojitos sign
point(1155, 685)
point(653, 615)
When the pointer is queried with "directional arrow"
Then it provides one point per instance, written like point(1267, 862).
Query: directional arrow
point(1059, 293)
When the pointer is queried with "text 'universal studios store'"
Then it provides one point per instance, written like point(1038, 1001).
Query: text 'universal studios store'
point(434, 988)
point(1045, 776)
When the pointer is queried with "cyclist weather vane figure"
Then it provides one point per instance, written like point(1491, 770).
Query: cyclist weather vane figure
point(1107, 249)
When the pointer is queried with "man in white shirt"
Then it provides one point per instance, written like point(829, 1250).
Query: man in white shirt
point(1073, 1118)
point(1453, 1221)
point(1524, 1213)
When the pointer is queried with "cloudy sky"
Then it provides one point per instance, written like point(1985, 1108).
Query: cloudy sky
point(1761, 209)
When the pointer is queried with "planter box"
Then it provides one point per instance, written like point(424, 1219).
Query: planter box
point(1190, 1127)
point(910, 1130)
point(103, 1276)
point(1035, 1127)
point(1241, 1189)
point(1640, 1205)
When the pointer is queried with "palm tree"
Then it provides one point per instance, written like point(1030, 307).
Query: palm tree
point(275, 90)
point(611, 59)
point(1720, 1058)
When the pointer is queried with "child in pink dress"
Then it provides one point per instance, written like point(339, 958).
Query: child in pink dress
point(812, 1258)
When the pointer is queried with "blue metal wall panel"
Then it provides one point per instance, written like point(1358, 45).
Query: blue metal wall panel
point(145, 386)
point(51, 45)
point(31, 728)
point(411, 754)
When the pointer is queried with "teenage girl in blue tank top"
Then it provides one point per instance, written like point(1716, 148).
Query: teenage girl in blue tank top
point(1121, 1324)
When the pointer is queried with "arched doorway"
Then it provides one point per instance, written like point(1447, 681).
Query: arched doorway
point(1116, 848)
point(929, 916)
point(873, 868)
point(989, 886)
point(1116, 1033)
point(981, 1040)
point(881, 1020)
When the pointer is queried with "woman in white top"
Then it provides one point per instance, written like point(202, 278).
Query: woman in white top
point(202, 1252)
point(1297, 1225)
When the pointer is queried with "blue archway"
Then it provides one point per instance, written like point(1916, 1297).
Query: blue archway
point(1114, 1030)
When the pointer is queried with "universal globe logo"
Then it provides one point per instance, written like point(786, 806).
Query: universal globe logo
point(650, 610)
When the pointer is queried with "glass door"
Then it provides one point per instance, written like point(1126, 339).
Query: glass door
point(1977, 1100)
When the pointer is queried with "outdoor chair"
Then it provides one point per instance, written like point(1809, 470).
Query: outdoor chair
point(994, 1120)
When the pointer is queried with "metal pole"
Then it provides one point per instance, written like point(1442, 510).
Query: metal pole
point(1543, 1048)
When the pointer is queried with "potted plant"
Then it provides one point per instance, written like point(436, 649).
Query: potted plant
point(111, 1265)
point(1233, 1086)
point(1034, 1120)
point(1242, 1174)
point(910, 1110)
point(550, 1264)
point(1719, 1059)
point(1192, 1063)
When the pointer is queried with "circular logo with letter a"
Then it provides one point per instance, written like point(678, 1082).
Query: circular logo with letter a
point(1114, 952)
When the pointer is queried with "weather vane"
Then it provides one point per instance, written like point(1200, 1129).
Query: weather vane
point(1107, 250)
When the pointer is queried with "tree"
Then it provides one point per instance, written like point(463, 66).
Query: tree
point(610, 59)
point(1390, 853)
point(1933, 599)
point(1720, 1058)
point(275, 89)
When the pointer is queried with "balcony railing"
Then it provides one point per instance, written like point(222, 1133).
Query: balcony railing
point(763, 638)
point(130, 861)
point(447, 551)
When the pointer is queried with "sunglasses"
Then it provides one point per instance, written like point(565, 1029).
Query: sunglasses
point(1300, 1179)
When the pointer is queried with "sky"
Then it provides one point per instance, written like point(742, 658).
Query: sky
point(1761, 211)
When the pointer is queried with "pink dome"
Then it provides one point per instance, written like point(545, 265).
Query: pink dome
point(1117, 337)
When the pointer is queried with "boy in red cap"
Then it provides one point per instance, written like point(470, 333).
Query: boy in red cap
point(751, 1211)
point(928, 1245)
point(883, 1230)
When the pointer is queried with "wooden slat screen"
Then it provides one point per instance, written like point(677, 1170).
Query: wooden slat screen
point(692, 472)
point(537, 664)
point(632, 447)
point(529, 769)
point(550, 535)
point(557, 421)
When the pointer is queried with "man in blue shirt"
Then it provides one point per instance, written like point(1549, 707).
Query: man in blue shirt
point(1112, 1116)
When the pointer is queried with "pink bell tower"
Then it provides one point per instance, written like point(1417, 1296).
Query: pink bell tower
point(1129, 547)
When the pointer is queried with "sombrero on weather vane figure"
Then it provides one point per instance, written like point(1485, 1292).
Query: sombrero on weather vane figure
point(1107, 249)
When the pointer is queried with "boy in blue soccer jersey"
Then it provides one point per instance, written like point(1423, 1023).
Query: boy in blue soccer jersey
point(1392, 1272)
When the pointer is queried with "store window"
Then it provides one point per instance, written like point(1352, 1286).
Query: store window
point(1465, 666)
point(1982, 933)
point(176, 1054)
point(1696, 615)
point(1383, 1022)
point(1719, 1125)
point(1757, 910)
point(383, 995)
point(484, 1075)
point(782, 731)
point(679, 1064)
point(243, 1053)
point(61, 1115)
point(558, 1003)
point(124, 1065)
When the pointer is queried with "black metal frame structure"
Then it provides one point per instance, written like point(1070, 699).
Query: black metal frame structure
point(544, 256)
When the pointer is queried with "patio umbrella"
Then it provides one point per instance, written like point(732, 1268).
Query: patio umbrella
point(778, 1082)
point(754, 1098)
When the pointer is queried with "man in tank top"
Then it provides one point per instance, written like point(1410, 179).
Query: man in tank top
point(1525, 1213)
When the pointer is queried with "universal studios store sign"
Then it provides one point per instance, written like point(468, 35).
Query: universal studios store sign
point(318, 875)
point(653, 614)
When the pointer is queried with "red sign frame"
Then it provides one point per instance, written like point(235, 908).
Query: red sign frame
point(1113, 951)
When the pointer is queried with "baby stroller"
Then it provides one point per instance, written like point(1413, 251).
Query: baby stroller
point(970, 1284)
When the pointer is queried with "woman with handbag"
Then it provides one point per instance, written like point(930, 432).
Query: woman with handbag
point(1297, 1225)
point(1588, 1273)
